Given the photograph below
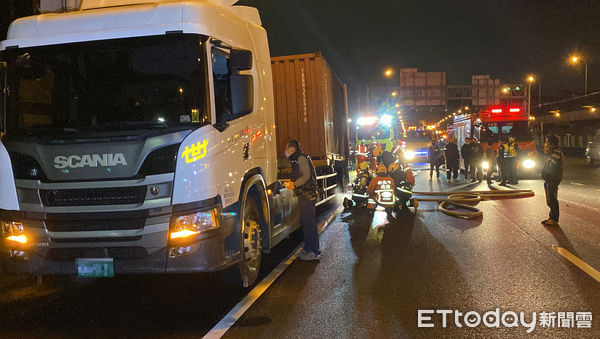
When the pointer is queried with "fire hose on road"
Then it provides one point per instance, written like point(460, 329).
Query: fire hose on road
point(468, 199)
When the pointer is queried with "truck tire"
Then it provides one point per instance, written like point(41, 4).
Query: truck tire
point(245, 273)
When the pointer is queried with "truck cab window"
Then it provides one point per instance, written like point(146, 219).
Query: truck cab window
point(139, 86)
point(222, 86)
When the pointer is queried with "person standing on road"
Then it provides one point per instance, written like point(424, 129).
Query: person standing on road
point(304, 184)
point(512, 153)
point(490, 157)
point(476, 159)
point(552, 175)
point(434, 155)
point(501, 159)
point(452, 156)
point(465, 153)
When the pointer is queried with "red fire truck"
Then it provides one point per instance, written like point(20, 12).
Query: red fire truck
point(498, 122)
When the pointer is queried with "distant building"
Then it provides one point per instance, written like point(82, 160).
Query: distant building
point(427, 96)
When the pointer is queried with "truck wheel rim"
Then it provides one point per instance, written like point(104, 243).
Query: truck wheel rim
point(252, 242)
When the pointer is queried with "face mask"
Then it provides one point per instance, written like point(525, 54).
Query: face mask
point(287, 154)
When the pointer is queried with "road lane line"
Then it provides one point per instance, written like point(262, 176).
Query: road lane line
point(238, 310)
point(592, 272)
point(576, 184)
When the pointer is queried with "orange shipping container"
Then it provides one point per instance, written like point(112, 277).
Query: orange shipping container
point(310, 106)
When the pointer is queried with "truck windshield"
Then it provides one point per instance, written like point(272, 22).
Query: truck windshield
point(109, 87)
point(518, 129)
point(368, 132)
point(418, 136)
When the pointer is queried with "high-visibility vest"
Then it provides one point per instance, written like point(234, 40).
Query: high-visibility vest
point(511, 151)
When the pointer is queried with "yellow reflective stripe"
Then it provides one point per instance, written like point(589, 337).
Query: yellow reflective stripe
point(592, 272)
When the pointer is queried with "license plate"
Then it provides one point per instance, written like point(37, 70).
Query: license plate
point(95, 268)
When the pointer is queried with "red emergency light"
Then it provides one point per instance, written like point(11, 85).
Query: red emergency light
point(514, 110)
point(497, 110)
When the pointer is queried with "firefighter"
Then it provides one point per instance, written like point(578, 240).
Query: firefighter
point(361, 153)
point(394, 170)
point(512, 153)
point(382, 180)
point(374, 151)
point(363, 176)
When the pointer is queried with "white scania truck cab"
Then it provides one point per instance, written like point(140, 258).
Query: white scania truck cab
point(139, 138)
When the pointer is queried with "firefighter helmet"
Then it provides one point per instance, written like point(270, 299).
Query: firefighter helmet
point(363, 166)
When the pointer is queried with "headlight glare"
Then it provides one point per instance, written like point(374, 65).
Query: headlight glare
point(13, 231)
point(185, 226)
point(485, 165)
point(529, 163)
point(409, 155)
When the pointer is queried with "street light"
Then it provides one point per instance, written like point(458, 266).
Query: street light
point(530, 79)
point(394, 93)
point(388, 72)
point(575, 59)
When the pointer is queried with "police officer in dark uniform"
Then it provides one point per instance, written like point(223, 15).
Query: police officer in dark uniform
point(501, 160)
point(552, 175)
point(304, 184)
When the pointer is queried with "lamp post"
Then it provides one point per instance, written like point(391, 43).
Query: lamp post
point(530, 79)
point(575, 60)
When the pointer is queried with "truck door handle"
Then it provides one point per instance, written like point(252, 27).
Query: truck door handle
point(246, 151)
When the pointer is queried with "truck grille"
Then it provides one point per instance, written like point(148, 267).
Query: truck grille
point(81, 222)
point(67, 254)
point(94, 196)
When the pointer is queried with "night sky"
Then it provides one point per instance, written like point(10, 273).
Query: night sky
point(507, 39)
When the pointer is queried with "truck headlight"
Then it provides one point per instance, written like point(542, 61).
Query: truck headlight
point(529, 164)
point(485, 165)
point(13, 231)
point(188, 225)
point(409, 155)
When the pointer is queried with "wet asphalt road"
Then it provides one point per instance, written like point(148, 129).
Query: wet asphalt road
point(186, 305)
point(369, 283)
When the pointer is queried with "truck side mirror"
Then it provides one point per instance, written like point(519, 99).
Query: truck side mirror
point(240, 60)
point(242, 94)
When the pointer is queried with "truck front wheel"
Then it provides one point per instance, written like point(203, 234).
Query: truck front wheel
point(246, 271)
point(251, 243)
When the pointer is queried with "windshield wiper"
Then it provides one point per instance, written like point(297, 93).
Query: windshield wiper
point(127, 125)
point(45, 128)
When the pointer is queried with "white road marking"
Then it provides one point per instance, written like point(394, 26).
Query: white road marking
point(238, 310)
point(576, 184)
